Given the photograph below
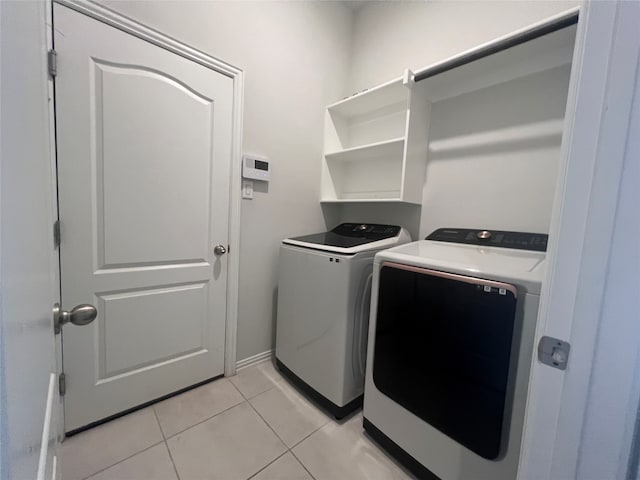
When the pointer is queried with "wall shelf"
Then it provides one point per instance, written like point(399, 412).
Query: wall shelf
point(375, 149)
point(377, 142)
point(372, 99)
point(362, 200)
point(388, 148)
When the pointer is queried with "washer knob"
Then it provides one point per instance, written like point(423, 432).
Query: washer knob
point(484, 235)
point(362, 227)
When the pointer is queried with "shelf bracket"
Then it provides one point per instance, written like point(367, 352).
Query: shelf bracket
point(408, 78)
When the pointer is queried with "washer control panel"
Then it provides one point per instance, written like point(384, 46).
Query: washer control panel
point(492, 238)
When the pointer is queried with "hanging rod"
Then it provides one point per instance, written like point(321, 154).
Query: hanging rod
point(499, 46)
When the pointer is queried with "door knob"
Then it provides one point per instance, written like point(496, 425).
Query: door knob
point(219, 249)
point(79, 315)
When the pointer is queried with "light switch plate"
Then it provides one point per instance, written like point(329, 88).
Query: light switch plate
point(247, 189)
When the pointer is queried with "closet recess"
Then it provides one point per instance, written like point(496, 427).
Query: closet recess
point(377, 142)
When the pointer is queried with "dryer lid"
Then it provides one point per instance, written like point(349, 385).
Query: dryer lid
point(523, 268)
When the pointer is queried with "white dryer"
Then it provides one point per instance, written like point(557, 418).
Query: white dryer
point(450, 348)
point(323, 310)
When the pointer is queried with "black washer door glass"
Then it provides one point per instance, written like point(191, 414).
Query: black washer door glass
point(442, 351)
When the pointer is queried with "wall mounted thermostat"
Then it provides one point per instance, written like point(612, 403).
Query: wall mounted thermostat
point(255, 167)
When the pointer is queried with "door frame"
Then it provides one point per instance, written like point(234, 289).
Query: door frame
point(59, 405)
point(582, 227)
point(166, 42)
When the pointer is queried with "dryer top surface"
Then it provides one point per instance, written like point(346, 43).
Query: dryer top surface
point(352, 238)
point(522, 268)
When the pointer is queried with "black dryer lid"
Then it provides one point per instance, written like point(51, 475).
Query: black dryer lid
point(351, 235)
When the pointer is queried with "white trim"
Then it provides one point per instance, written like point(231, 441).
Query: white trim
point(254, 359)
point(233, 265)
point(596, 126)
point(46, 428)
point(132, 27)
point(59, 412)
point(137, 29)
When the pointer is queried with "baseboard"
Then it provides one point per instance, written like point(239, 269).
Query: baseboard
point(257, 358)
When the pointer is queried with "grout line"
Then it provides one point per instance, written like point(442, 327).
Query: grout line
point(274, 384)
point(303, 465)
point(289, 449)
point(270, 463)
point(319, 428)
point(212, 416)
point(123, 460)
point(155, 414)
point(238, 390)
point(258, 394)
point(267, 423)
point(246, 400)
point(175, 468)
point(166, 445)
point(206, 419)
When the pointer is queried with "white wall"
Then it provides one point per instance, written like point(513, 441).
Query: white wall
point(505, 185)
point(466, 189)
point(27, 253)
point(391, 36)
point(295, 57)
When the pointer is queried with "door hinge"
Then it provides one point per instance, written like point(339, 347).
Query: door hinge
point(52, 62)
point(62, 384)
point(554, 352)
point(56, 234)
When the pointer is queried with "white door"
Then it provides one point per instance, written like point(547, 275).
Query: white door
point(144, 151)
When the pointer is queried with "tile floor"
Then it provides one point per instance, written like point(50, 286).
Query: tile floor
point(254, 425)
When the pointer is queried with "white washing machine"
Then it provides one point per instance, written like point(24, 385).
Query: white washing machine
point(450, 348)
point(323, 310)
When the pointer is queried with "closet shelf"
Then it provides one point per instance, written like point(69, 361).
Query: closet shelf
point(365, 200)
point(388, 148)
point(377, 143)
point(550, 51)
point(372, 99)
point(394, 199)
point(372, 152)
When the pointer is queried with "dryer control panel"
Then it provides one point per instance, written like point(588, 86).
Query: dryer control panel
point(492, 238)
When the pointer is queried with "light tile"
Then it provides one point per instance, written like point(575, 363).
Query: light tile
point(185, 410)
point(232, 445)
point(284, 468)
point(152, 464)
point(342, 451)
point(290, 415)
point(96, 449)
point(256, 379)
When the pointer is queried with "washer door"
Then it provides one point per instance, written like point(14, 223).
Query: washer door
point(443, 351)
